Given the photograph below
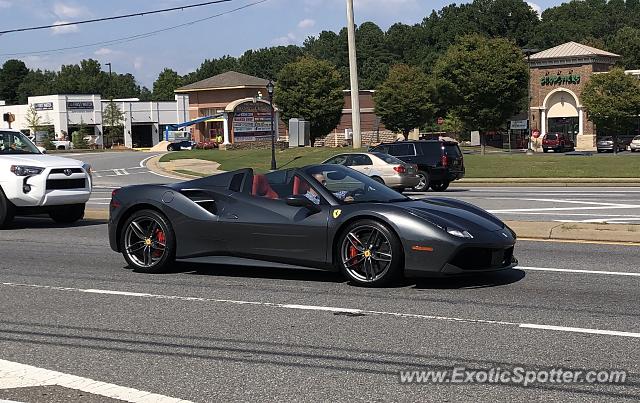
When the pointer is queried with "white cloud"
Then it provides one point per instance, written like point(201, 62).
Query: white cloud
point(5, 4)
point(103, 52)
point(138, 63)
point(63, 10)
point(289, 39)
point(306, 23)
point(65, 29)
point(535, 8)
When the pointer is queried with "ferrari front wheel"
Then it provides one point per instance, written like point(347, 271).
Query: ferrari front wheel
point(369, 253)
point(148, 243)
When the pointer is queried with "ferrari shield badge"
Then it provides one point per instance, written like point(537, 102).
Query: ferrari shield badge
point(336, 213)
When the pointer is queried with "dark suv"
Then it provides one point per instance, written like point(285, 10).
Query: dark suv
point(439, 162)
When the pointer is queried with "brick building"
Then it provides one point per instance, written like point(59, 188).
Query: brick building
point(558, 77)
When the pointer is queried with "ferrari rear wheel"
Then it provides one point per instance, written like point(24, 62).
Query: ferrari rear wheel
point(369, 253)
point(148, 242)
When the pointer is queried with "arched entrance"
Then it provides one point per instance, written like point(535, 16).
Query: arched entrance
point(563, 113)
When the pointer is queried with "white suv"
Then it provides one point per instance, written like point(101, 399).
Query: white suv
point(635, 144)
point(34, 183)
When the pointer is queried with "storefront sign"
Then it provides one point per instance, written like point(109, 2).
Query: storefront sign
point(85, 105)
point(519, 125)
point(560, 80)
point(43, 106)
point(251, 122)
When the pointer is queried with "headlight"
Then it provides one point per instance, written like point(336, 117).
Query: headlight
point(21, 170)
point(459, 233)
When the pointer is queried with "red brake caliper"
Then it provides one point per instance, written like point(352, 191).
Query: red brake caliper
point(352, 252)
point(160, 238)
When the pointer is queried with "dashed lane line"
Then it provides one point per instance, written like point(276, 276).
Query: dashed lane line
point(302, 307)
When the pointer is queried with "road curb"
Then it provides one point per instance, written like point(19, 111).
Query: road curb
point(153, 164)
point(96, 215)
point(619, 233)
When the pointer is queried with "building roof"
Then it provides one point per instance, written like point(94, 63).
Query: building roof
point(230, 79)
point(570, 50)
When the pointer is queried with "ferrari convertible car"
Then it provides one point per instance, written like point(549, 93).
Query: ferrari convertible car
point(326, 217)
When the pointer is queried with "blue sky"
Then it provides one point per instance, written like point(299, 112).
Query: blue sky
point(273, 22)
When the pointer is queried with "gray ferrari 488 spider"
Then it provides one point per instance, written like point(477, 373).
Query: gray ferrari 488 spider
point(321, 216)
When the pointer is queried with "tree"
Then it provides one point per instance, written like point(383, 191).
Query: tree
point(612, 101)
point(405, 100)
point(267, 62)
point(113, 119)
point(626, 42)
point(311, 89)
point(165, 85)
point(34, 120)
point(486, 79)
point(12, 74)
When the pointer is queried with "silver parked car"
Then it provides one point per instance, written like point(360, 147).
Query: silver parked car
point(635, 144)
point(381, 167)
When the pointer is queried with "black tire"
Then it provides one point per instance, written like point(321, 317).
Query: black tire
point(171, 147)
point(440, 186)
point(67, 214)
point(545, 150)
point(386, 245)
point(7, 211)
point(378, 179)
point(423, 185)
point(159, 259)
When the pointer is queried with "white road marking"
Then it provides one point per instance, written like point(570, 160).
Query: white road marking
point(16, 375)
point(603, 272)
point(314, 308)
point(580, 330)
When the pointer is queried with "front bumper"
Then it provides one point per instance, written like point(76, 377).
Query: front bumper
point(49, 188)
point(634, 146)
point(488, 252)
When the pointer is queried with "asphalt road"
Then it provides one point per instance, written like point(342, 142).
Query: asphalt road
point(207, 333)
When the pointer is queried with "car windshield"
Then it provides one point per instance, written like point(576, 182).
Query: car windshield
point(607, 138)
point(349, 186)
point(636, 138)
point(552, 137)
point(389, 159)
point(16, 143)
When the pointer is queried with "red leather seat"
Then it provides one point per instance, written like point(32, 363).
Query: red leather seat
point(261, 187)
point(300, 187)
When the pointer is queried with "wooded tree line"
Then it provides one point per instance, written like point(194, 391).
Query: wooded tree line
point(612, 25)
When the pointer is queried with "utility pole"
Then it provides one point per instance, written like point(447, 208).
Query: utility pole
point(353, 70)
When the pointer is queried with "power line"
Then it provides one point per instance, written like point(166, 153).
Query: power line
point(131, 38)
point(117, 17)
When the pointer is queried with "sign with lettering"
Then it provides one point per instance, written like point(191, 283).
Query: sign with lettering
point(87, 105)
point(251, 122)
point(519, 125)
point(560, 80)
point(43, 106)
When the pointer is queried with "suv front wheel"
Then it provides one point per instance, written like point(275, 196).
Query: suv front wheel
point(423, 185)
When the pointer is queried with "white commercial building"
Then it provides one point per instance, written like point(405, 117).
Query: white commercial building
point(143, 122)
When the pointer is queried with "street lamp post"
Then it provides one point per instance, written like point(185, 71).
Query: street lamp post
point(270, 88)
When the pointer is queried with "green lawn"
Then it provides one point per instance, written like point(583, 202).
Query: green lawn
point(552, 166)
point(478, 166)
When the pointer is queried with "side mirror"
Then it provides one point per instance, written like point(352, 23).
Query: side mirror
point(302, 201)
point(42, 150)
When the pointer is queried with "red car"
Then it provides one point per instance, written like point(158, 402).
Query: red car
point(557, 142)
